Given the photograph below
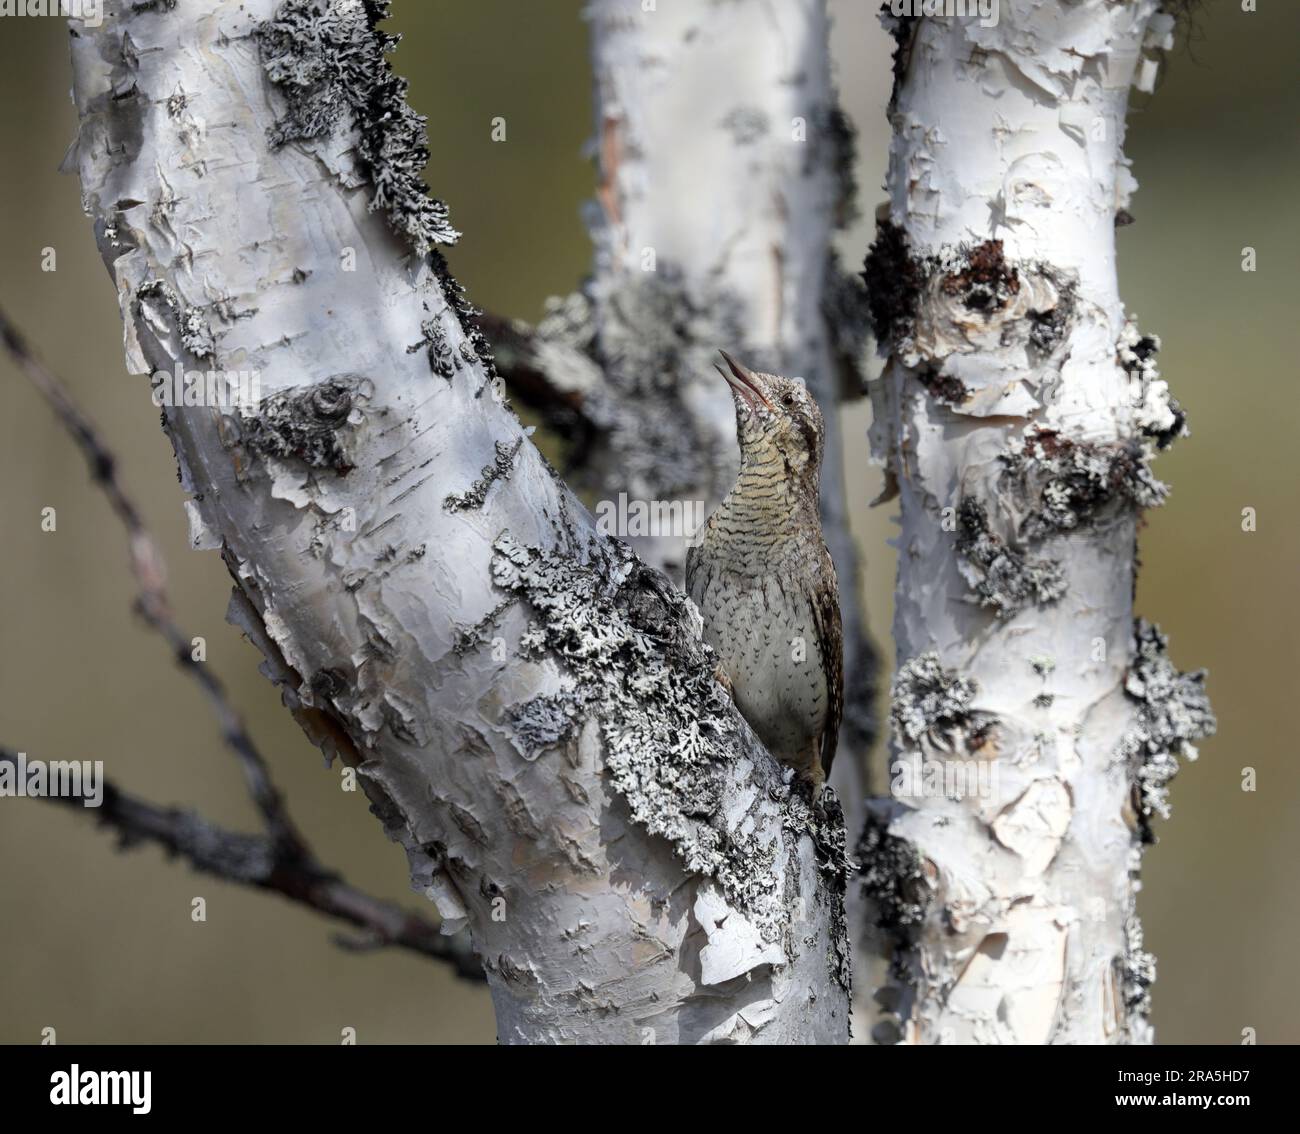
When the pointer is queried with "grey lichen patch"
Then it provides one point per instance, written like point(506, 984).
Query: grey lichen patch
point(898, 897)
point(1067, 484)
point(746, 124)
point(471, 639)
point(893, 879)
point(543, 722)
point(1137, 976)
point(192, 325)
point(307, 424)
point(177, 101)
point(1054, 485)
point(622, 632)
point(933, 704)
point(1159, 416)
point(476, 346)
point(499, 468)
point(1173, 712)
point(1001, 576)
point(652, 337)
point(442, 359)
point(830, 835)
point(1047, 327)
point(824, 820)
point(330, 63)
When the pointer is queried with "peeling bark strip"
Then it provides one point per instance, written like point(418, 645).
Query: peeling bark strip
point(1017, 417)
point(358, 588)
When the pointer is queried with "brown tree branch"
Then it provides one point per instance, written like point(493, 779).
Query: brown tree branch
point(281, 861)
point(149, 569)
point(261, 862)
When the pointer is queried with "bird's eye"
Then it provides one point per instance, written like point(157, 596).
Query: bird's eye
point(788, 400)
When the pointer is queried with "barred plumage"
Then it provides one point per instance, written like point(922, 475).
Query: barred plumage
point(764, 581)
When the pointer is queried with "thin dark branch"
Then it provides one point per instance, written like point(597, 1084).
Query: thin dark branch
point(514, 346)
point(259, 862)
point(281, 861)
point(150, 572)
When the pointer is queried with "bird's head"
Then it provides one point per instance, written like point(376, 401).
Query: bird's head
point(775, 416)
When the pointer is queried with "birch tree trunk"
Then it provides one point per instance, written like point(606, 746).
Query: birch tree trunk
point(528, 704)
point(1034, 725)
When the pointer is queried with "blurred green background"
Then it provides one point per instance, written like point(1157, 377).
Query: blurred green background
point(100, 945)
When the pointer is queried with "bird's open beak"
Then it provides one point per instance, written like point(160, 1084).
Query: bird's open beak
point(742, 381)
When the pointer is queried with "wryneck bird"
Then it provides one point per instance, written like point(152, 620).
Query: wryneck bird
point(764, 582)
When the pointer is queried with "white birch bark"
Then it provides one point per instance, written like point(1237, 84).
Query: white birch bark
point(528, 705)
point(1017, 415)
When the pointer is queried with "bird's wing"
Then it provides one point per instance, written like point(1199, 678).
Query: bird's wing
point(693, 564)
point(825, 603)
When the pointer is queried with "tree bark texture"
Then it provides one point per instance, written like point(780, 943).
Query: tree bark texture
point(528, 703)
point(1017, 417)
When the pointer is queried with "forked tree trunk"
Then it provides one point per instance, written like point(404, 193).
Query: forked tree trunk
point(529, 705)
point(1034, 726)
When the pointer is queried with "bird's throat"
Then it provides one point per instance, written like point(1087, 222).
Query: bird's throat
point(768, 510)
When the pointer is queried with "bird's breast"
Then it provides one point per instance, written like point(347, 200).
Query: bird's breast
point(762, 628)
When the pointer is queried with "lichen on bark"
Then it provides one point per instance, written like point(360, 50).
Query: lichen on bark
point(1018, 393)
point(330, 62)
point(652, 338)
point(191, 324)
point(932, 309)
point(387, 638)
point(1173, 713)
point(893, 880)
point(496, 470)
point(1001, 576)
point(928, 701)
point(1064, 484)
point(308, 425)
point(631, 651)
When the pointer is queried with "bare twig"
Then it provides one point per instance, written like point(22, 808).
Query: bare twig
point(533, 384)
point(258, 861)
point(282, 861)
point(152, 602)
